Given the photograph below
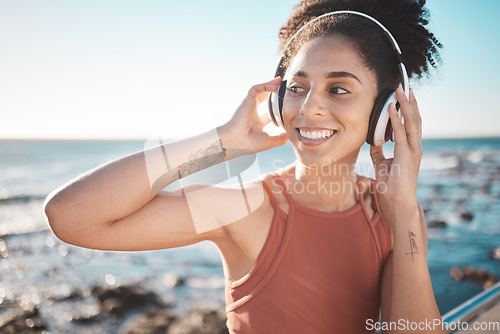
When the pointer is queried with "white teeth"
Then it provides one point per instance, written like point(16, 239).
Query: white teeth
point(316, 134)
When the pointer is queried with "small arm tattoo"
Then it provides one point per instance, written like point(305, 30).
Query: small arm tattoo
point(413, 245)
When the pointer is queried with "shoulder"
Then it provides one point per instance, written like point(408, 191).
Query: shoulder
point(243, 207)
point(249, 214)
point(277, 182)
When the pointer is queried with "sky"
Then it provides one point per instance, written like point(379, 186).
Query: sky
point(118, 69)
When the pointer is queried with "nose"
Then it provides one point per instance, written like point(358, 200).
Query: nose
point(313, 105)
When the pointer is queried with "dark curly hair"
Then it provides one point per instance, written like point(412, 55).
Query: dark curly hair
point(405, 19)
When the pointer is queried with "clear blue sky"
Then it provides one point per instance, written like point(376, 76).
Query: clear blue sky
point(122, 68)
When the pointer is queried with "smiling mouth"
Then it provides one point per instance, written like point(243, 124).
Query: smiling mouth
point(315, 137)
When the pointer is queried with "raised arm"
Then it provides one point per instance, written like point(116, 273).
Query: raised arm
point(117, 206)
point(407, 298)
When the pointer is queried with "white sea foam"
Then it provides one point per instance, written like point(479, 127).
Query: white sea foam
point(437, 162)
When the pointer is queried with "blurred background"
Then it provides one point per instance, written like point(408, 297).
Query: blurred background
point(82, 83)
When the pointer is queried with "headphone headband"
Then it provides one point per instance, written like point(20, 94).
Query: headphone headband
point(391, 38)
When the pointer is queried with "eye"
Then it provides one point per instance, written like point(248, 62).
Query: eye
point(295, 89)
point(337, 90)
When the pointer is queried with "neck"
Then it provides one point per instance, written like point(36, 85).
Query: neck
point(327, 187)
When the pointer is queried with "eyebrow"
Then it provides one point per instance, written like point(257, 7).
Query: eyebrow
point(335, 74)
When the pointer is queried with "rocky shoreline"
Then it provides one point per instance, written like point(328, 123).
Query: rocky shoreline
point(48, 286)
point(127, 309)
point(120, 309)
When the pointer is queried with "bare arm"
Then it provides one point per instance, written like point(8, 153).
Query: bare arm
point(117, 206)
point(90, 210)
point(407, 298)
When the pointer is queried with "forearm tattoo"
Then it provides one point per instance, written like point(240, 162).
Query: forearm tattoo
point(204, 158)
point(413, 245)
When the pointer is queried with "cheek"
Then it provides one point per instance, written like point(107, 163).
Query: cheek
point(359, 120)
point(290, 111)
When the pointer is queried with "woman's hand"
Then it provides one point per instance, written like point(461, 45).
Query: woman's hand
point(244, 131)
point(396, 178)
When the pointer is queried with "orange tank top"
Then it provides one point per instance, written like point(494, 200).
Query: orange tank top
point(318, 272)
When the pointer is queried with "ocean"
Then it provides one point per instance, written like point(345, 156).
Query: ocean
point(459, 189)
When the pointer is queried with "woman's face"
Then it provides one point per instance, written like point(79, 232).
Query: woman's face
point(329, 97)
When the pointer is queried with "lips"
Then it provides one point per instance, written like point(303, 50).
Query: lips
point(316, 136)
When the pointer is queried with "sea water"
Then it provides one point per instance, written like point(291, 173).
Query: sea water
point(457, 176)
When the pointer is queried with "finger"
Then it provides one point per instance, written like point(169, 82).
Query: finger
point(397, 126)
point(260, 92)
point(411, 123)
point(277, 140)
point(377, 154)
point(264, 119)
point(413, 102)
point(378, 158)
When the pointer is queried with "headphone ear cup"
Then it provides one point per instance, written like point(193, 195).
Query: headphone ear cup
point(281, 98)
point(271, 107)
point(276, 104)
point(379, 119)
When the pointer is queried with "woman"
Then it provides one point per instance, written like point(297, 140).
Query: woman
point(321, 250)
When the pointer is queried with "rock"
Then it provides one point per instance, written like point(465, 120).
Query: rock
point(172, 280)
point(467, 215)
point(115, 308)
point(437, 223)
point(3, 249)
point(26, 322)
point(85, 317)
point(470, 273)
point(494, 253)
point(72, 295)
point(486, 188)
point(489, 283)
point(436, 188)
point(117, 301)
point(200, 322)
point(151, 322)
point(456, 273)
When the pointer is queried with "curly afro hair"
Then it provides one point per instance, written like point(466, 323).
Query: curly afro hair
point(405, 19)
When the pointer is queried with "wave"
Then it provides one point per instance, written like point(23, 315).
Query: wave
point(434, 162)
point(21, 198)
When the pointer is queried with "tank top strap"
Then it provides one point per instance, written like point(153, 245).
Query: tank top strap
point(272, 199)
point(360, 189)
point(283, 189)
point(374, 192)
